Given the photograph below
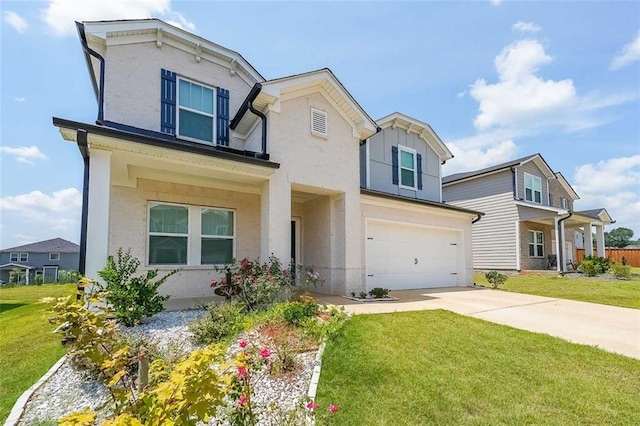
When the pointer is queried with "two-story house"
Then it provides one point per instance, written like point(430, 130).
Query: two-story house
point(529, 221)
point(44, 258)
point(196, 159)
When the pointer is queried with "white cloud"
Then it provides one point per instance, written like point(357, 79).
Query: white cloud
point(496, 2)
point(630, 53)
point(526, 27)
point(612, 184)
point(19, 99)
point(460, 95)
point(24, 154)
point(16, 21)
point(479, 152)
point(59, 211)
point(60, 15)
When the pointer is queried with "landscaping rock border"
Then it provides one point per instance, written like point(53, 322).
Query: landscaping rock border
point(381, 299)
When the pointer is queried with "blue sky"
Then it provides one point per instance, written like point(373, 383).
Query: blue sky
point(495, 79)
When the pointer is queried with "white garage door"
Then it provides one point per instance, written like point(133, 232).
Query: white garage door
point(403, 256)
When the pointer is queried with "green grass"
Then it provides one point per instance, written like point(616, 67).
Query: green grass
point(615, 293)
point(440, 368)
point(27, 346)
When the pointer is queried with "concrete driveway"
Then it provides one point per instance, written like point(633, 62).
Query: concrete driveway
point(607, 327)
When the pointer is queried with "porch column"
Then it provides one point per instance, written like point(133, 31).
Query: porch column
point(98, 212)
point(600, 240)
point(560, 252)
point(275, 219)
point(588, 241)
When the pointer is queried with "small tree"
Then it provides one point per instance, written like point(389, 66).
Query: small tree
point(17, 276)
point(495, 278)
point(619, 237)
point(132, 298)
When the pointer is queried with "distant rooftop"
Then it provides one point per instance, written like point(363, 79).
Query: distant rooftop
point(465, 175)
point(54, 245)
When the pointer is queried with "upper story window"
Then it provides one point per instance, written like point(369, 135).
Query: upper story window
point(190, 235)
point(407, 169)
point(532, 188)
point(13, 257)
point(319, 123)
point(565, 203)
point(54, 256)
point(195, 111)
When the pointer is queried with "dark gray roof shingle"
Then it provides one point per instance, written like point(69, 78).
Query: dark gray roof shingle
point(465, 175)
point(54, 245)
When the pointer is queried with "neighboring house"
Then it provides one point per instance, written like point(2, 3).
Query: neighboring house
point(44, 258)
point(197, 159)
point(528, 208)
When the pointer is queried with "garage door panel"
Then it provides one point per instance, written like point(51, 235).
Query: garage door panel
point(392, 250)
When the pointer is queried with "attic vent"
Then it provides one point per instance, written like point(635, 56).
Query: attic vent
point(318, 122)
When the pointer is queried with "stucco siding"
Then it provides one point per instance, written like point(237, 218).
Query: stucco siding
point(128, 227)
point(485, 186)
point(132, 93)
point(494, 236)
point(381, 170)
point(417, 215)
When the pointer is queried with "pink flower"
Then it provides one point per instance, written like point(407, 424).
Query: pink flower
point(242, 372)
point(265, 353)
point(242, 400)
point(312, 406)
point(214, 283)
point(333, 408)
point(243, 344)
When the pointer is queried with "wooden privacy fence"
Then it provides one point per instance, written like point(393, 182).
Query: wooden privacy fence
point(631, 256)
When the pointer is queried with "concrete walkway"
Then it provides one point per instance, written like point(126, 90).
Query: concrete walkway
point(608, 327)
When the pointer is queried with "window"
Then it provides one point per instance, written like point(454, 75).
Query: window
point(565, 204)
point(532, 188)
point(318, 122)
point(216, 245)
point(24, 257)
point(407, 169)
point(13, 257)
point(536, 244)
point(195, 111)
point(54, 256)
point(190, 235)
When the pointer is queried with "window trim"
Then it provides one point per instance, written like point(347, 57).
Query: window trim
point(194, 234)
point(213, 115)
point(26, 257)
point(414, 153)
point(52, 258)
point(314, 110)
point(535, 244)
point(564, 203)
point(14, 257)
point(533, 191)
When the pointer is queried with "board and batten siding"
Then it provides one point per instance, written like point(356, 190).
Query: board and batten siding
point(494, 236)
point(532, 169)
point(381, 168)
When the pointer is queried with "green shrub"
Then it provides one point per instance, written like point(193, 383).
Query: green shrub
point(621, 272)
point(220, 322)
point(495, 278)
point(295, 312)
point(38, 279)
point(68, 276)
point(600, 265)
point(379, 292)
point(362, 295)
point(589, 267)
point(132, 298)
point(326, 325)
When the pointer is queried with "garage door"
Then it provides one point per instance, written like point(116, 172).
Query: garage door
point(400, 256)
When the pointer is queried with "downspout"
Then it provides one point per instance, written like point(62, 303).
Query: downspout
point(477, 219)
point(561, 243)
point(264, 125)
point(513, 183)
point(84, 151)
point(99, 91)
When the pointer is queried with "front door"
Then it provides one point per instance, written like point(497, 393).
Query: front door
point(50, 274)
point(295, 240)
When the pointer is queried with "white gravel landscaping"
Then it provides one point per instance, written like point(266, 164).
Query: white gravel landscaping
point(69, 389)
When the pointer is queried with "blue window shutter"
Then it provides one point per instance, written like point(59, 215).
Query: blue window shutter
point(394, 164)
point(419, 170)
point(168, 102)
point(222, 111)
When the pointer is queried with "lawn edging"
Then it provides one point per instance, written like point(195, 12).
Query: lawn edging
point(18, 407)
point(315, 377)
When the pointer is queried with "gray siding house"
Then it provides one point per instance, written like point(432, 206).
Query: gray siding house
point(529, 210)
point(43, 258)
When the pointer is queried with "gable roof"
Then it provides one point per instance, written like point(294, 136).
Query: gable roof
point(54, 245)
point(422, 129)
point(600, 214)
point(498, 167)
point(567, 187)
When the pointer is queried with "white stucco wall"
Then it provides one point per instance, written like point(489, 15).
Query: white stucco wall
point(128, 227)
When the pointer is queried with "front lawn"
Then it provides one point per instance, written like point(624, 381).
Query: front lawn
point(27, 346)
point(437, 367)
point(585, 289)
